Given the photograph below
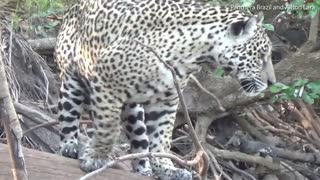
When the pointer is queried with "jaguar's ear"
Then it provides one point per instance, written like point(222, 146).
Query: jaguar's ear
point(247, 27)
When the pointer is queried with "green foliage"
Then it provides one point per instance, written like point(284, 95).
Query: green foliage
point(302, 88)
point(35, 13)
point(268, 27)
point(43, 7)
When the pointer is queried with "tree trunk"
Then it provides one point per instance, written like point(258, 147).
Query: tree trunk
point(313, 32)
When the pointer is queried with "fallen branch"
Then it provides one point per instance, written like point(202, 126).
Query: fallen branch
point(256, 147)
point(142, 155)
point(308, 116)
point(217, 166)
point(304, 171)
point(236, 169)
point(43, 46)
point(44, 145)
point(11, 123)
point(39, 126)
point(238, 156)
point(50, 124)
point(245, 125)
point(35, 116)
point(292, 170)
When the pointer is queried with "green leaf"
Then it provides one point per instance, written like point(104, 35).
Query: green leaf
point(219, 72)
point(314, 95)
point(290, 92)
point(314, 87)
point(247, 3)
point(300, 82)
point(308, 99)
point(275, 99)
point(275, 89)
point(278, 87)
point(284, 97)
point(268, 27)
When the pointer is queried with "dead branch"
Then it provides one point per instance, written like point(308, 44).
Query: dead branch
point(293, 171)
point(253, 147)
point(35, 116)
point(44, 145)
point(251, 129)
point(305, 122)
point(43, 46)
point(304, 171)
point(238, 156)
point(50, 124)
point(141, 155)
point(308, 116)
point(236, 169)
point(11, 123)
point(39, 126)
point(217, 166)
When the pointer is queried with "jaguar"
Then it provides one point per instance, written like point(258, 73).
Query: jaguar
point(108, 55)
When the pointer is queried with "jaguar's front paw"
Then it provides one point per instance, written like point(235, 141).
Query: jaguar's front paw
point(89, 164)
point(177, 174)
point(182, 174)
point(69, 148)
point(142, 166)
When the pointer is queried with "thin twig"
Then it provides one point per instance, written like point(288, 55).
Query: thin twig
point(46, 83)
point(216, 164)
point(50, 124)
point(39, 126)
point(38, 140)
point(214, 171)
point(35, 116)
point(238, 156)
point(235, 168)
point(221, 108)
point(141, 155)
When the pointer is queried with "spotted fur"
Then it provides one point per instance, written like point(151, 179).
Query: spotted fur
point(105, 69)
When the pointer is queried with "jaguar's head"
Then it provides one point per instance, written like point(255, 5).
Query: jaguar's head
point(249, 57)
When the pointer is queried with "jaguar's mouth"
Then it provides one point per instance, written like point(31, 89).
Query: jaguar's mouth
point(253, 87)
